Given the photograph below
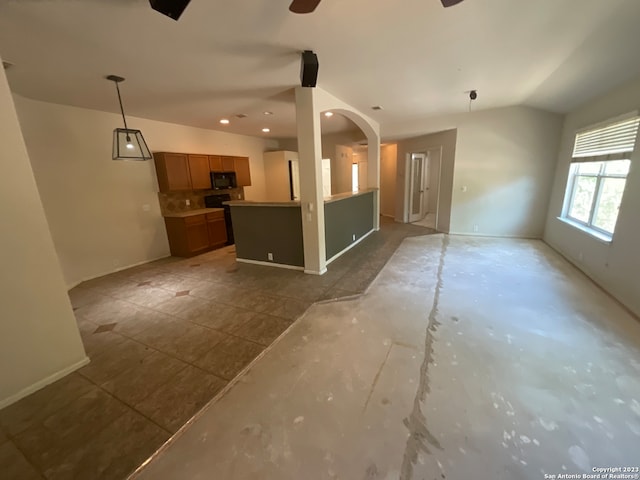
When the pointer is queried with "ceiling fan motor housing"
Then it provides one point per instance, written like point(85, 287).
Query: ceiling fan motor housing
point(170, 8)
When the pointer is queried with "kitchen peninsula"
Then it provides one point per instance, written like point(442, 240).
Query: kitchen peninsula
point(270, 233)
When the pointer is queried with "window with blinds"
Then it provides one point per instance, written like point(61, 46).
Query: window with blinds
point(613, 142)
point(598, 174)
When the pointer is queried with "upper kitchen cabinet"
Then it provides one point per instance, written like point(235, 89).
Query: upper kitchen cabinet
point(173, 171)
point(215, 163)
point(199, 172)
point(228, 164)
point(243, 173)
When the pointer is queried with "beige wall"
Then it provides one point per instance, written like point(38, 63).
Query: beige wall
point(338, 147)
point(388, 174)
point(613, 265)
point(434, 179)
point(504, 166)
point(104, 215)
point(39, 339)
point(276, 174)
point(341, 170)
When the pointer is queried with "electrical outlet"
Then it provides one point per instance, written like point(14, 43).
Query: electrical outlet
point(146, 207)
point(353, 237)
point(187, 202)
point(580, 256)
point(270, 256)
point(476, 228)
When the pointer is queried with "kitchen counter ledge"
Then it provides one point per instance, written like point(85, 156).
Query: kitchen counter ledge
point(190, 213)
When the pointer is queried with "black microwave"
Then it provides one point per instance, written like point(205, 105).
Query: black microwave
point(223, 180)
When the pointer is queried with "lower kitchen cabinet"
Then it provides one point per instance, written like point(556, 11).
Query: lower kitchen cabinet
point(217, 229)
point(195, 234)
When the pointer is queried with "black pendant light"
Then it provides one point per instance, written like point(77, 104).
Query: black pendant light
point(128, 144)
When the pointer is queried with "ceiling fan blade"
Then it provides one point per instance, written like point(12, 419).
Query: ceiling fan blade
point(450, 3)
point(303, 6)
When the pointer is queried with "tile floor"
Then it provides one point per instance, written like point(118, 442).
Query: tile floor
point(163, 339)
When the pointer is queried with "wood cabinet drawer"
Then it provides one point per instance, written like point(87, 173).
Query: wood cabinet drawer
point(192, 220)
point(215, 215)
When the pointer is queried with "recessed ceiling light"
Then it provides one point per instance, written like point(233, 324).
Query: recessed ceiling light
point(377, 107)
point(241, 115)
point(6, 65)
point(225, 121)
point(266, 130)
point(328, 114)
point(268, 113)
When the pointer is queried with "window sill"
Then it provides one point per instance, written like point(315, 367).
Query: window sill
point(601, 237)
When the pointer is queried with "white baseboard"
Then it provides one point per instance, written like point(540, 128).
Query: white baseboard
point(43, 383)
point(350, 246)
point(270, 264)
point(315, 272)
point(119, 269)
point(488, 235)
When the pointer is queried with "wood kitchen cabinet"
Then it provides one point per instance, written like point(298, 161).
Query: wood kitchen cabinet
point(195, 234)
point(173, 171)
point(215, 163)
point(228, 164)
point(179, 172)
point(217, 229)
point(199, 172)
point(243, 173)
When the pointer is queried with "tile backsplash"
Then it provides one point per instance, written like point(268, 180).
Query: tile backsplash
point(176, 202)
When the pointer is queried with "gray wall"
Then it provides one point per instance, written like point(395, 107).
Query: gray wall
point(260, 230)
point(345, 218)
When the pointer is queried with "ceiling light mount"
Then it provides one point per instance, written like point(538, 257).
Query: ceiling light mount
point(128, 144)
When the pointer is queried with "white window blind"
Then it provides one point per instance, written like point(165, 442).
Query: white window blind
point(613, 142)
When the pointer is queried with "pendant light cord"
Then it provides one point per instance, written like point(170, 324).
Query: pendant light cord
point(121, 108)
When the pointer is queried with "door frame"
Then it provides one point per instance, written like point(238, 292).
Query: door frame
point(414, 217)
point(430, 160)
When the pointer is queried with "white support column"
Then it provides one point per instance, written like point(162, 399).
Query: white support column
point(310, 163)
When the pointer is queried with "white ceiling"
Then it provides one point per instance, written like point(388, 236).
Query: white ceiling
point(226, 57)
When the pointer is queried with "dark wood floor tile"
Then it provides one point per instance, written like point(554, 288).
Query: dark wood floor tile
point(173, 404)
point(137, 383)
point(122, 356)
point(38, 406)
point(14, 465)
point(263, 329)
point(113, 453)
point(229, 357)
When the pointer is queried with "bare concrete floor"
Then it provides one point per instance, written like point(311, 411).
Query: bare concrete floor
point(467, 358)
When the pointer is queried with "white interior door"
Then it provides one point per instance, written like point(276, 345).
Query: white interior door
point(417, 190)
point(326, 177)
point(294, 181)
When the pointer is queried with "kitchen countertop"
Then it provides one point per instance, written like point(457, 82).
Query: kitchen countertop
point(250, 203)
point(190, 213)
point(342, 196)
